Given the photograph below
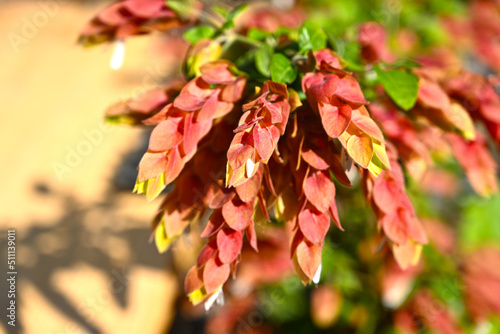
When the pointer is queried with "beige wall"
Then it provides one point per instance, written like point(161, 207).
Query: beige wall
point(74, 241)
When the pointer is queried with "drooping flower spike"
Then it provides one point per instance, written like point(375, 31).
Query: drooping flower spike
point(128, 18)
point(184, 122)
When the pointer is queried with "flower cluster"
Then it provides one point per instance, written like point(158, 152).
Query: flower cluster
point(372, 38)
point(136, 110)
point(479, 98)
point(426, 311)
point(128, 18)
point(270, 131)
point(477, 162)
point(332, 92)
point(311, 162)
point(259, 129)
point(184, 122)
point(481, 276)
point(485, 28)
point(404, 135)
point(395, 214)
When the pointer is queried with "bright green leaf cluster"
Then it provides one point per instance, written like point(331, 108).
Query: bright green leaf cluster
point(282, 70)
point(401, 86)
point(311, 37)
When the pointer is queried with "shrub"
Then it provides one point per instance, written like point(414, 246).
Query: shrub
point(288, 120)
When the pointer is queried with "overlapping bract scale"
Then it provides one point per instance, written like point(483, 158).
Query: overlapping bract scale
point(338, 98)
point(135, 111)
point(184, 122)
point(395, 213)
point(263, 122)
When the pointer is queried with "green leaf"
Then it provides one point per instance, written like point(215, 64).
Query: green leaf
point(229, 15)
point(401, 86)
point(311, 37)
point(282, 70)
point(227, 25)
point(302, 95)
point(181, 8)
point(478, 226)
point(221, 10)
point(339, 265)
point(196, 34)
point(291, 302)
point(237, 11)
point(263, 60)
point(406, 63)
point(283, 31)
point(257, 34)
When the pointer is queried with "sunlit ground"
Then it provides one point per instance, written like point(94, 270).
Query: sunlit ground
point(83, 259)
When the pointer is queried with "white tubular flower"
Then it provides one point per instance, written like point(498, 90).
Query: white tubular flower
point(317, 276)
point(249, 167)
point(218, 297)
point(397, 293)
point(118, 55)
